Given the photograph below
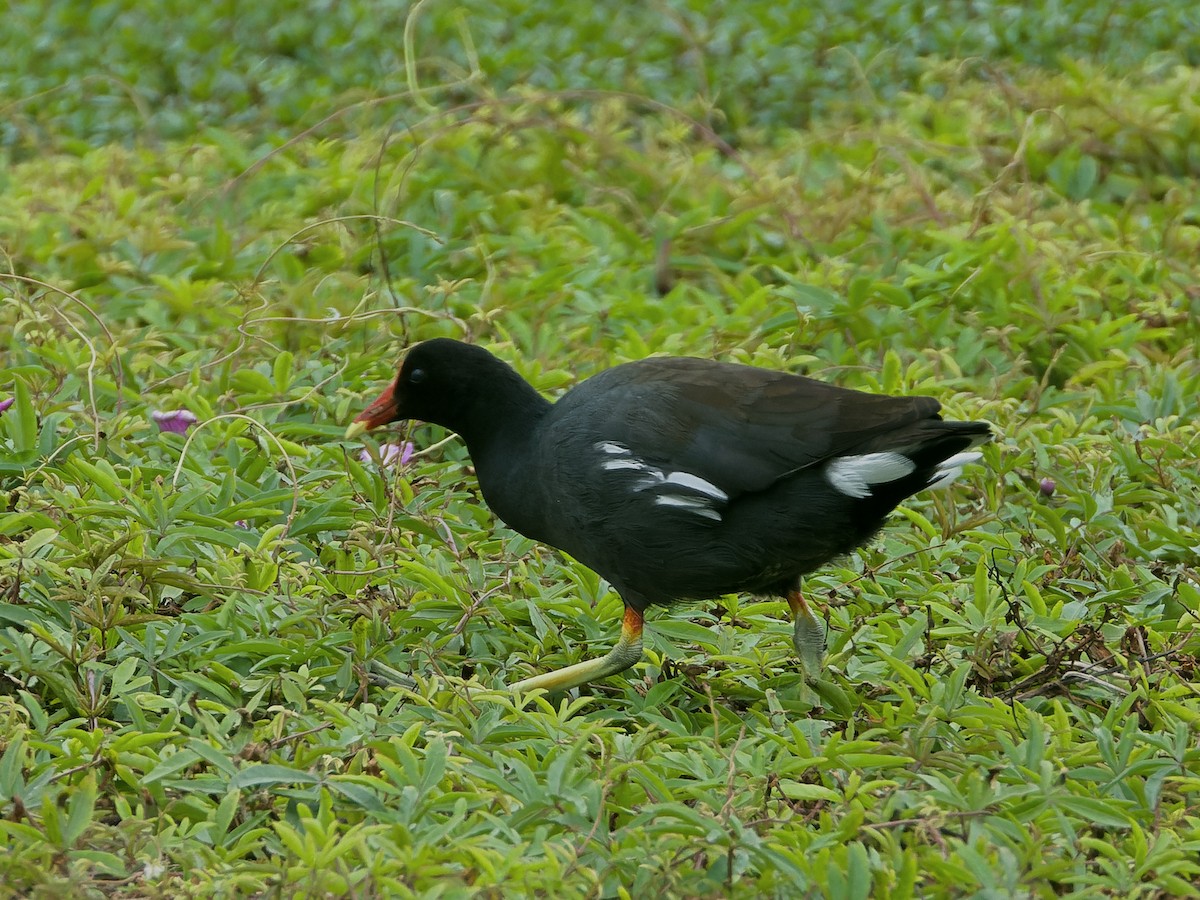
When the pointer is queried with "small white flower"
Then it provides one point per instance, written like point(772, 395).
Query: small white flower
point(153, 869)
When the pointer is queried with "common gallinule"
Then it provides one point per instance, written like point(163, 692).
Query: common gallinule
point(682, 478)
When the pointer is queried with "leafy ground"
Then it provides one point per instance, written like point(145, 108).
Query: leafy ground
point(245, 660)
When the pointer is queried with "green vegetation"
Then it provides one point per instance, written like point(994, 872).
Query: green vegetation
point(245, 660)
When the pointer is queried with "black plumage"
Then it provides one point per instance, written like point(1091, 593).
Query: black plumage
point(680, 478)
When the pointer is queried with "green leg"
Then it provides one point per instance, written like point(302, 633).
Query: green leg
point(627, 652)
point(809, 635)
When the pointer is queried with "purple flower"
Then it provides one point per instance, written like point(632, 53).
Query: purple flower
point(1046, 487)
point(175, 420)
point(5, 404)
point(390, 454)
point(242, 523)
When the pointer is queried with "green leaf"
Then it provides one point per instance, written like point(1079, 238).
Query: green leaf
point(11, 780)
point(283, 371)
point(1108, 814)
point(172, 765)
point(80, 805)
point(273, 775)
point(796, 790)
point(1082, 180)
point(20, 420)
point(223, 817)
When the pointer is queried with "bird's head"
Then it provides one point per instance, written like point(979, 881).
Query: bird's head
point(442, 381)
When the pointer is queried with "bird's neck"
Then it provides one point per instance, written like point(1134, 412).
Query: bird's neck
point(505, 454)
point(496, 422)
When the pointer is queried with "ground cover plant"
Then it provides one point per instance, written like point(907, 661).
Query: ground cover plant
point(240, 655)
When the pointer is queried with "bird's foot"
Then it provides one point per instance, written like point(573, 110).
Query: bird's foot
point(808, 635)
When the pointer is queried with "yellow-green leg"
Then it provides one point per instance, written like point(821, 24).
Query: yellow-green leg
point(808, 636)
point(627, 652)
point(809, 639)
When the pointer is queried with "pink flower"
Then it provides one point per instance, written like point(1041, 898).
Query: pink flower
point(389, 454)
point(174, 420)
point(5, 404)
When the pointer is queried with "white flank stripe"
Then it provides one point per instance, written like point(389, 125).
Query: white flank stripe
point(613, 464)
point(854, 475)
point(654, 478)
point(691, 504)
point(696, 483)
point(651, 478)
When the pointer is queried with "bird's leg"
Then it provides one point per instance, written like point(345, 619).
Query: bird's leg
point(809, 635)
point(627, 652)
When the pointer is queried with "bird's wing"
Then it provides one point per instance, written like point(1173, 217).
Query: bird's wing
point(738, 427)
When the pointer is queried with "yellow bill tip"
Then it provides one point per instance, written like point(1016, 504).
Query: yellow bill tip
point(355, 429)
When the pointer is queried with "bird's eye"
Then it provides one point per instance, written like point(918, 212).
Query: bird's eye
point(416, 376)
